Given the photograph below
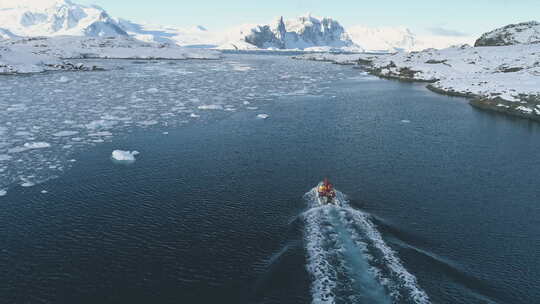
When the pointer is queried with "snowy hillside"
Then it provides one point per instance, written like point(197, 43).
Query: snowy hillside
point(6, 34)
point(383, 38)
point(501, 78)
point(56, 17)
point(194, 36)
point(304, 33)
point(400, 38)
point(31, 55)
point(522, 33)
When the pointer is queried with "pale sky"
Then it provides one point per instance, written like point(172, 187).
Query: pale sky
point(448, 17)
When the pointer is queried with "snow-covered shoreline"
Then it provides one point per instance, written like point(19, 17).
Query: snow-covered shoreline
point(42, 54)
point(500, 78)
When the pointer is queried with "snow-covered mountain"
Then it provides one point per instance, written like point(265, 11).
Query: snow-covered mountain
point(401, 38)
point(304, 33)
point(521, 33)
point(6, 34)
point(383, 39)
point(55, 18)
point(32, 18)
point(193, 36)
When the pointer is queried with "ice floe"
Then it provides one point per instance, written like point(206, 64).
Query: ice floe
point(37, 145)
point(41, 131)
point(210, 107)
point(63, 79)
point(124, 156)
point(65, 133)
point(263, 116)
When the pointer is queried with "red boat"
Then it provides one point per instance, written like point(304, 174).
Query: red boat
point(326, 193)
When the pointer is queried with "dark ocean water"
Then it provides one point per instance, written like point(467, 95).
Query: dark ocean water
point(442, 205)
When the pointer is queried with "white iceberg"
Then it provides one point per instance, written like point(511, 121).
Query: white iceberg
point(3, 192)
point(65, 133)
point(37, 145)
point(263, 116)
point(63, 79)
point(210, 107)
point(124, 156)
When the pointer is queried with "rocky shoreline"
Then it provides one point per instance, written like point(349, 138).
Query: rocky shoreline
point(500, 79)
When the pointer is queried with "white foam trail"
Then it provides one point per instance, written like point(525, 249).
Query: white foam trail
point(318, 266)
point(391, 259)
point(359, 229)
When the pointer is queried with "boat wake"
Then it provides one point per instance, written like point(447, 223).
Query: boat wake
point(348, 260)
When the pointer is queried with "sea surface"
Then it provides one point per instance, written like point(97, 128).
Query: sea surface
point(439, 201)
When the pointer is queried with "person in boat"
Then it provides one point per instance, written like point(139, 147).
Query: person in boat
point(326, 189)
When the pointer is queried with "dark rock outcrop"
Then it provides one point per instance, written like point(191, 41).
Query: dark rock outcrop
point(521, 33)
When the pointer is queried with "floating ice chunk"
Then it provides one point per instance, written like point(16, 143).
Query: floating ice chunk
point(3, 192)
point(152, 90)
point(17, 150)
point(101, 124)
point(148, 122)
point(16, 108)
point(23, 133)
point(247, 102)
point(4, 157)
point(252, 108)
point(124, 156)
point(194, 115)
point(405, 121)
point(44, 191)
point(263, 116)
point(63, 79)
point(37, 145)
point(241, 68)
point(65, 133)
point(26, 183)
point(102, 133)
point(210, 107)
point(165, 133)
